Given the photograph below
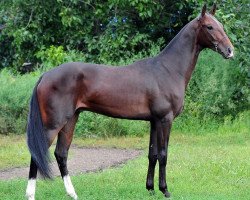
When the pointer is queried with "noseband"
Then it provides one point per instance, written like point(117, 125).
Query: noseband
point(216, 44)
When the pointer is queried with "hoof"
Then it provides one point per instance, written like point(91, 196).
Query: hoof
point(150, 187)
point(167, 194)
point(164, 190)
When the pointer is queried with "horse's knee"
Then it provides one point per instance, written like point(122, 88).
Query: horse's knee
point(152, 159)
point(162, 158)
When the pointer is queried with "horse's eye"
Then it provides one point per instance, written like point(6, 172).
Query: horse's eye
point(209, 27)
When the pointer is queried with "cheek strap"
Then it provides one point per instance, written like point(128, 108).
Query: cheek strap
point(216, 44)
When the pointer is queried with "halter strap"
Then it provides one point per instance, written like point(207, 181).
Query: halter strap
point(217, 44)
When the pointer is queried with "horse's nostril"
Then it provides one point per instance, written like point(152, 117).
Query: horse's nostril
point(230, 52)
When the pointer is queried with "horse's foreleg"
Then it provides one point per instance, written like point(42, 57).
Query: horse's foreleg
point(61, 153)
point(163, 133)
point(152, 157)
point(31, 187)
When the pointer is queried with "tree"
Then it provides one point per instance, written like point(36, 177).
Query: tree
point(103, 30)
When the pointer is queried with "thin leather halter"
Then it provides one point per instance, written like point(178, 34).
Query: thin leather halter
point(217, 44)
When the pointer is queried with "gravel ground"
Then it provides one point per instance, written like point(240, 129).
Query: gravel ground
point(82, 160)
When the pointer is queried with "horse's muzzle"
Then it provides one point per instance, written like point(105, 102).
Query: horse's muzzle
point(230, 52)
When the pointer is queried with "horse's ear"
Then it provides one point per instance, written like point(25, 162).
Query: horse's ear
point(213, 9)
point(203, 11)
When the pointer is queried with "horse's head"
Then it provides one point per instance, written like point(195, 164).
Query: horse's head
point(212, 34)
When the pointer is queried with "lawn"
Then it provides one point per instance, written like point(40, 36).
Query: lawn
point(199, 167)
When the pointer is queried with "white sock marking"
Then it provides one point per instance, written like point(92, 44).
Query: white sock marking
point(31, 189)
point(69, 187)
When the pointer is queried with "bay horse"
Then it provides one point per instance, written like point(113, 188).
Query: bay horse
point(151, 89)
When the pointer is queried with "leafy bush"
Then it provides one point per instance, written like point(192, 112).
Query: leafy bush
point(14, 99)
point(95, 125)
point(236, 125)
point(216, 87)
point(102, 30)
point(54, 56)
point(194, 125)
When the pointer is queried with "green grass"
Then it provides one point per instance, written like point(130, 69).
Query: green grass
point(13, 151)
point(200, 167)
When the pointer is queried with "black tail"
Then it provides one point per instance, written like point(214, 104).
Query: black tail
point(36, 137)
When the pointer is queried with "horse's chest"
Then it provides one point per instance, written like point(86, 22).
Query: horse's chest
point(168, 103)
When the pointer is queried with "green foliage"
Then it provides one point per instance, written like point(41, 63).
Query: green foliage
point(216, 87)
point(14, 99)
point(54, 56)
point(92, 125)
point(238, 125)
point(105, 31)
point(235, 15)
point(228, 125)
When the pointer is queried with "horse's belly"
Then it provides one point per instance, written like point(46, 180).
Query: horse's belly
point(122, 112)
point(117, 104)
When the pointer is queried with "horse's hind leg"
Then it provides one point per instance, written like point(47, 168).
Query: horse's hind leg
point(61, 153)
point(31, 187)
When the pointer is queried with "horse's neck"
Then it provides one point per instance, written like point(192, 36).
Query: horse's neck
point(181, 55)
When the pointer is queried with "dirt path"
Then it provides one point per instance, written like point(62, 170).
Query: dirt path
point(82, 160)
